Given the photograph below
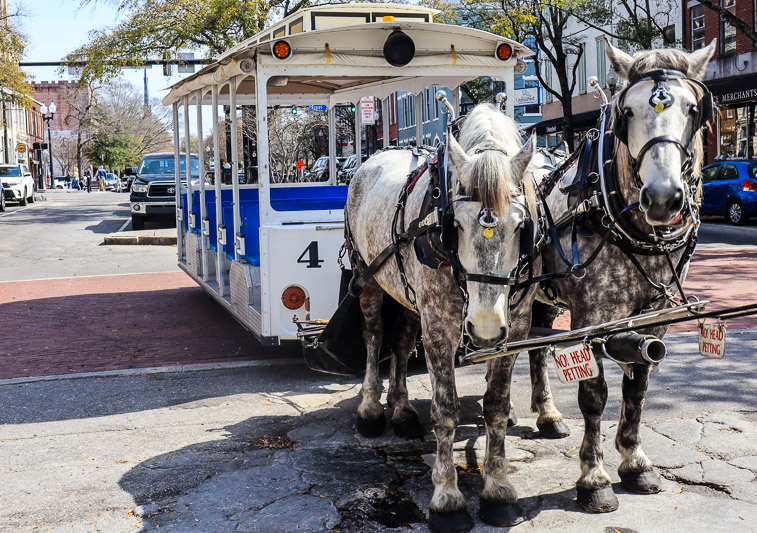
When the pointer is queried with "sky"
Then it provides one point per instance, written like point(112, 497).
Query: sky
point(56, 27)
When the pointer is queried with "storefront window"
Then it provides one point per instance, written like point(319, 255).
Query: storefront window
point(735, 138)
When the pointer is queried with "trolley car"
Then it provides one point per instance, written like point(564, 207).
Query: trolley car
point(264, 247)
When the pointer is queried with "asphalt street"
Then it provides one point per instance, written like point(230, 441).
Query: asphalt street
point(270, 446)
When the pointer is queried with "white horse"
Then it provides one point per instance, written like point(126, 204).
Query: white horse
point(490, 202)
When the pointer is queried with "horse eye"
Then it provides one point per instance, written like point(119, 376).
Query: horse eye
point(693, 110)
point(627, 113)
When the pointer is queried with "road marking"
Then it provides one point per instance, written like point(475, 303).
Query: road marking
point(124, 226)
point(17, 210)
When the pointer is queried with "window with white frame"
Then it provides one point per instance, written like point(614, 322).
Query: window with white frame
point(601, 62)
point(697, 27)
point(546, 69)
point(727, 30)
point(581, 71)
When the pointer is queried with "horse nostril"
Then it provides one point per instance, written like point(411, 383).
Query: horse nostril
point(644, 200)
point(676, 202)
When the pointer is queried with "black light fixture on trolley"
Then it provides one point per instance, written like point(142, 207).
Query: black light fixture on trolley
point(399, 48)
point(48, 117)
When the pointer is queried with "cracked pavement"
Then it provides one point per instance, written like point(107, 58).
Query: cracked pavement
point(273, 449)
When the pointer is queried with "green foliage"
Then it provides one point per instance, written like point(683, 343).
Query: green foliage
point(114, 151)
point(14, 82)
point(159, 28)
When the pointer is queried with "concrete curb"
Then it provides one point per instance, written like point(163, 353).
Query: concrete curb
point(178, 369)
point(159, 237)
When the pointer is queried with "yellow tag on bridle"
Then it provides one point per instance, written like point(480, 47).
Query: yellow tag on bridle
point(488, 233)
point(660, 107)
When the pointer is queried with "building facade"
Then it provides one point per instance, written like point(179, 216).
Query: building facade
point(731, 77)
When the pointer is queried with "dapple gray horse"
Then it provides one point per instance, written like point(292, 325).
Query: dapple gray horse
point(651, 169)
point(490, 204)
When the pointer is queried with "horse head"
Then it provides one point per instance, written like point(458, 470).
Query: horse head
point(491, 205)
point(658, 119)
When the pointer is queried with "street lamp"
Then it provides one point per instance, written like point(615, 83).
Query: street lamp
point(48, 118)
point(612, 81)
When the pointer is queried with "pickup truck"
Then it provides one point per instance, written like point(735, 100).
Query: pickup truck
point(153, 189)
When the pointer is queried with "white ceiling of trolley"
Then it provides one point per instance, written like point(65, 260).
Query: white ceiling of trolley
point(347, 62)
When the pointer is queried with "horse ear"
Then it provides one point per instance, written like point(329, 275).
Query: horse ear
point(521, 160)
point(699, 60)
point(620, 61)
point(457, 157)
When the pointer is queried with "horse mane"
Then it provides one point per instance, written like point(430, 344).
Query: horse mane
point(491, 181)
point(669, 59)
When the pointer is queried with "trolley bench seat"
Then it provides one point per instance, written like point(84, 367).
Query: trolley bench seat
point(299, 198)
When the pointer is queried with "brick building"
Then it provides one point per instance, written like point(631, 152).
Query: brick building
point(731, 76)
point(68, 101)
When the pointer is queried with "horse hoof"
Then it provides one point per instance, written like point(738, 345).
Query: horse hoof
point(500, 514)
point(557, 429)
point(453, 522)
point(371, 428)
point(646, 482)
point(512, 420)
point(410, 428)
point(601, 500)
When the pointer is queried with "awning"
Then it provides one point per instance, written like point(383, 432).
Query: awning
point(581, 121)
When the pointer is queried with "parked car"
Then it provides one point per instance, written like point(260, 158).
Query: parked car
point(61, 182)
point(320, 169)
point(153, 190)
point(18, 183)
point(348, 169)
point(112, 182)
point(730, 190)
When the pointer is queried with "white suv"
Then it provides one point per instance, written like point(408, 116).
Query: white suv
point(18, 184)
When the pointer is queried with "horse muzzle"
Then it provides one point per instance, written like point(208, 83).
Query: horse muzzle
point(662, 205)
point(488, 341)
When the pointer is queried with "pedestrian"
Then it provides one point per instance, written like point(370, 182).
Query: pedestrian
point(101, 177)
point(88, 177)
point(75, 184)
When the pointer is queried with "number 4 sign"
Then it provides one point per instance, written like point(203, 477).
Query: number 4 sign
point(712, 340)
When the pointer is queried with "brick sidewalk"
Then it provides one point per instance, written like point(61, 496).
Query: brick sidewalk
point(63, 326)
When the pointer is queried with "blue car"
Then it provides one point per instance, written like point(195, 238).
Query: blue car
point(730, 190)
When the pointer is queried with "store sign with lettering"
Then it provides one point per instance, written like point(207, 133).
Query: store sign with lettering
point(575, 363)
point(528, 96)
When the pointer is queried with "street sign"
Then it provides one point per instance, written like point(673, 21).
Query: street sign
point(318, 107)
point(367, 111)
point(528, 96)
point(21, 148)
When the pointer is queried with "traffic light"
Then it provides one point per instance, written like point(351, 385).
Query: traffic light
point(353, 109)
point(294, 110)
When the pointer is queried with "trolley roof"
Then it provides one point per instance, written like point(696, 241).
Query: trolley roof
point(335, 60)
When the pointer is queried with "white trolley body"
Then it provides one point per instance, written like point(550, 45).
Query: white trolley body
point(267, 251)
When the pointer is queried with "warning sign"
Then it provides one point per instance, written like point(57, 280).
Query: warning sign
point(712, 340)
point(575, 363)
point(367, 111)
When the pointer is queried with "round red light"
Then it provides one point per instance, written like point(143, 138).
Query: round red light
point(282, 50)
point(293, 297)
point(504, 52)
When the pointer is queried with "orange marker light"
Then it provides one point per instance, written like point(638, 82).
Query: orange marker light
point(504, 52)
point(387, 18)
point(282, 50)
point(293, 297)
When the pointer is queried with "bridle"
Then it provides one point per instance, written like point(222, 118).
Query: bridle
point(661, 99)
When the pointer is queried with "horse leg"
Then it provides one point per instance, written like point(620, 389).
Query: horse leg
point(404, 416)
point(593, 488)
point(549, 421)
point(636, 474)
point(370, 413)
point(498, 500)
point(447, 511)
